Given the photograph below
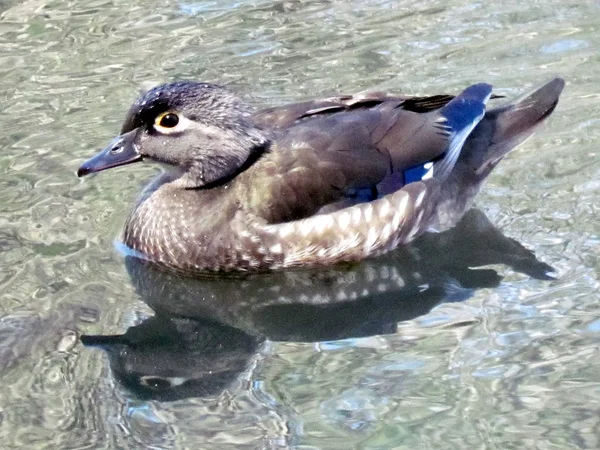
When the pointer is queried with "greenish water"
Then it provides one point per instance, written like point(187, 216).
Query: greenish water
point(496, 364)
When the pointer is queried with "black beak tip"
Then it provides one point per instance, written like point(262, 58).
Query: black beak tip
point(82, 172)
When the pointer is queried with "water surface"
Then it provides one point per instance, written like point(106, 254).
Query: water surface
point(465, 361)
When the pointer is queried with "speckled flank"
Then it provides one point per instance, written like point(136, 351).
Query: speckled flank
point(353, 233)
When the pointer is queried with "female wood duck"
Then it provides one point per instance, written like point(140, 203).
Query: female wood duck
point(312, 183)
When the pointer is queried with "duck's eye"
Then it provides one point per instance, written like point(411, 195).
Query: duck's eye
point(167, 120)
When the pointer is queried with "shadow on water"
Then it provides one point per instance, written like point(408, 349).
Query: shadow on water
point(206, 331)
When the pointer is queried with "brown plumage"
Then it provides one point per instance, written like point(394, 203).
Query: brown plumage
point(312, 183)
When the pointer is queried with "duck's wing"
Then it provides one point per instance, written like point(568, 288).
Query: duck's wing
point(283, 116)
point(353, 155)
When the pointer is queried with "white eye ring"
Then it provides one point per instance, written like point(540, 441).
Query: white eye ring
point(181, 123)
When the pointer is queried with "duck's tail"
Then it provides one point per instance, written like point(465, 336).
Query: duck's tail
point(510, 125)
point(501, 130)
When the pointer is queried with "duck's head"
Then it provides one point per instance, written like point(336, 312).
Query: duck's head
point(198, 131)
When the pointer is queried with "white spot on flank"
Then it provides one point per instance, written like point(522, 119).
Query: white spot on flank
point(356, 215)
point(419, 198)
point(368, 212)
point(387, 231)
point(372, 238)
point(385, 208)
point(306, 227)
point(276, 248)
point(284, 230)
point(323, 222)
point(419, 218)
point(344, 220)
point(416, 226)
point(396, 220)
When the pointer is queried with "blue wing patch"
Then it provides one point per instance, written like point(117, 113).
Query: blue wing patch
point(362, 195)
point(418, 173)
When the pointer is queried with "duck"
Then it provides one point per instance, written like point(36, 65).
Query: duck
point(315, 183)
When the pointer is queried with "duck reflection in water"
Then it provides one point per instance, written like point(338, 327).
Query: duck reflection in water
point(206, 331)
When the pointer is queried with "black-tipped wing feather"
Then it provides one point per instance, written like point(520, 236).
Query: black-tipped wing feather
point(286, 115)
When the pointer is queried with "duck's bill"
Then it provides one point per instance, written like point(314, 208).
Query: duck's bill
point(121, 151)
